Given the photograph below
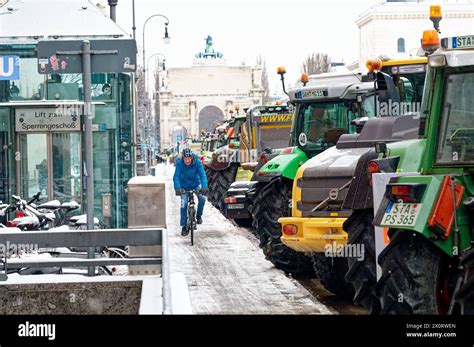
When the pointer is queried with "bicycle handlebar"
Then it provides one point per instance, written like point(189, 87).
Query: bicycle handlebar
point(34, 198)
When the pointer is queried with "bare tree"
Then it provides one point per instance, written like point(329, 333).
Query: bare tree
point(316, 63)
point(265, 83)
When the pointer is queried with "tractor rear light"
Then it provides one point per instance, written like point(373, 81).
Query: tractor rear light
point(263, 158)
point(412, 192)
point(401, 190)
point(442, 216)
point(10, 224)
point(19, 214)
point(231, 145)
point(290, 229)
point(288, 150)
point(373, 167)
point(230, 200)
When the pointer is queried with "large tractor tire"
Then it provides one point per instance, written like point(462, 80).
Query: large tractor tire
point(362, 274)
point(211, 182)
point(273, 202)
point(331, 272)
point(464, 296)
point(223, 179)
point(416, 277)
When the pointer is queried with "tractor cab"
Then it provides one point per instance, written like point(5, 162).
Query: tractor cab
point(328, 106)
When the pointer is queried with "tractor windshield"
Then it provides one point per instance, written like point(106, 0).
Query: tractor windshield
point(319, 125)
point(273, 136)
point(456, 135)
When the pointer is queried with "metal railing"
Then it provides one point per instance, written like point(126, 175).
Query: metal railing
point(90, 238)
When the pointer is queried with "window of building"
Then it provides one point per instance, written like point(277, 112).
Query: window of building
point(401, 45)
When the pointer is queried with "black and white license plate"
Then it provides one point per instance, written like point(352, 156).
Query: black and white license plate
point(235, 206)
point(401, 214)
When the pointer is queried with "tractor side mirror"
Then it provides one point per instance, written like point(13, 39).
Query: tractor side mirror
point(381, 147)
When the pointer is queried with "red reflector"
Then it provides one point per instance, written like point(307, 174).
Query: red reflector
point(290, 229)
point(373, 167)
point(442, 217)
point(263, 158)
point(230, 200)
point(114, 269)
point(10, 224)
point(288, 150)
point(231, 145)
point(19, 214)
point(260, 174)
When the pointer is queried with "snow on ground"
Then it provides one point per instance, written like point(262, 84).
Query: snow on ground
point(225, 270)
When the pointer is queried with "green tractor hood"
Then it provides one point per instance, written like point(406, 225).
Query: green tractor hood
point(283, 165)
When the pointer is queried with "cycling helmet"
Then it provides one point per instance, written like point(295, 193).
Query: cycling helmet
point(187, 153)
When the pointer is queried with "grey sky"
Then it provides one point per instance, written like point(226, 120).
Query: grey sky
point(284, 32)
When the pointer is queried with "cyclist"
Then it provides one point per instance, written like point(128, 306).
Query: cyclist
point(190, 175)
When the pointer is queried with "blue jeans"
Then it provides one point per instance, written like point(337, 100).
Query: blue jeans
point(184, 208)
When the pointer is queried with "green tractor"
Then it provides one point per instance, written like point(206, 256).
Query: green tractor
point(326, 107)
point(427, 209)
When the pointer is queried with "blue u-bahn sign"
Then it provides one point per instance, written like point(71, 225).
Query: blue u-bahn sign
point(9, 67)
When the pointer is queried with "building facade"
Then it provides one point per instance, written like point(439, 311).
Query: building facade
point(394, 28)
point(41, 141)
point(198, 97)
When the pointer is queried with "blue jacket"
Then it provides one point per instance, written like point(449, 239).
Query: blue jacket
point(189, 177)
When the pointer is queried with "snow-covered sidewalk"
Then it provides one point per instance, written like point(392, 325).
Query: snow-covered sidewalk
point(226, 271)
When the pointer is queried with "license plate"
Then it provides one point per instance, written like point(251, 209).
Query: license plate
point(235, 206)
point(401, 214)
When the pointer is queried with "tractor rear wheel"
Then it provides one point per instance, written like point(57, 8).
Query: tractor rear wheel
point(224, 179)
point(416, 277)
point(272, 203)
point(211, 182)
point(362, 274)
point(464, 296)
point(331, 272)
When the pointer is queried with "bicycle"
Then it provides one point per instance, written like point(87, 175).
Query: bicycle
point(192, 222)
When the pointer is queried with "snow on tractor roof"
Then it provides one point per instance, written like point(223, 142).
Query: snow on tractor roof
point(331, 85)
point(455, 52)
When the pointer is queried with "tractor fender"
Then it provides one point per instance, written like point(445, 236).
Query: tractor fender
point(360, 194)
point(283, 165)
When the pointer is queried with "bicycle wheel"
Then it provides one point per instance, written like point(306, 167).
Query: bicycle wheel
point(192, 224)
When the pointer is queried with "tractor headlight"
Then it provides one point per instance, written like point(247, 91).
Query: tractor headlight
point(437, 60)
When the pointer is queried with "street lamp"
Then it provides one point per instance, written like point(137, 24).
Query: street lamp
point(151, 119)
point(166, 38)
point(148, 64)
